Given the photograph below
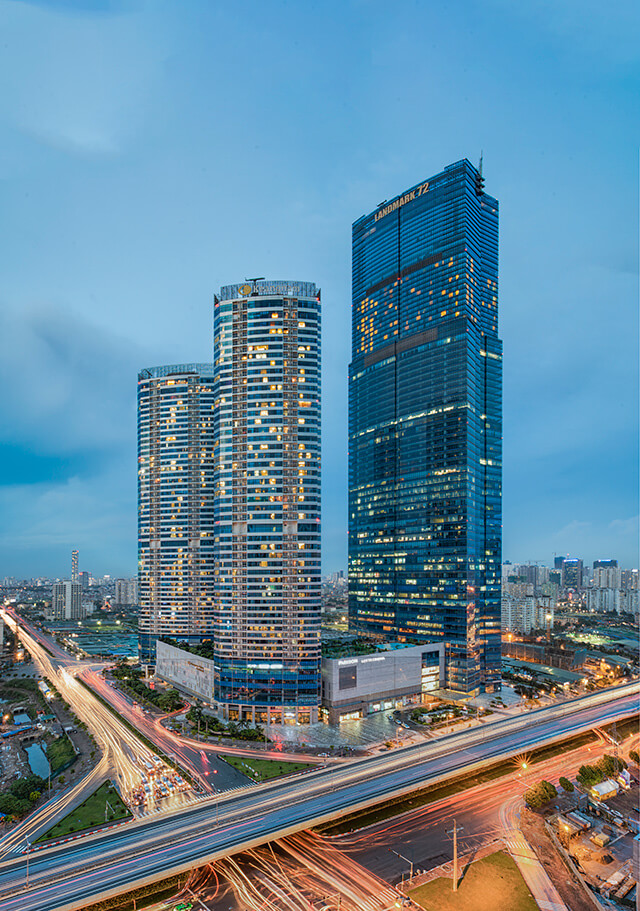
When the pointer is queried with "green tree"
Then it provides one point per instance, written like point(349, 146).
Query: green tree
point(566, 785)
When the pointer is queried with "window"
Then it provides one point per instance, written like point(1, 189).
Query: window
point(348, 677)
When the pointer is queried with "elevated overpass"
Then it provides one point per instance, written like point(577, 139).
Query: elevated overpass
point(96, 867)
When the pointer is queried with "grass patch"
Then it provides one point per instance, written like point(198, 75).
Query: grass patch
point(91, 813)
point(60, 753)
point(264, 769)
point(20, 688)
point(430, 794)
point(491, 884)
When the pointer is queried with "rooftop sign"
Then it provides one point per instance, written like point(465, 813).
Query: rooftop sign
point(402, 200)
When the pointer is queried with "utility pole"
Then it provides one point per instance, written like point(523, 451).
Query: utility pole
point(614, 738)
point(454, 832)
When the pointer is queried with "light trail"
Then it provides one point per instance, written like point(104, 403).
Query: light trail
point(123, 754)
point(69, 876)
point(293, 874)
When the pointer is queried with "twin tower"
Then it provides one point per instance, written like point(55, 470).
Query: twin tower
point(229, 463)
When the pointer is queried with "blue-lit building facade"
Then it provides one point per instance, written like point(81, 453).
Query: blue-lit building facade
point(266, 501)
point(175, 510)
point(425, 425)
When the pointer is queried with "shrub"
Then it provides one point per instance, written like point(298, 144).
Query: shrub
point(589, 775)
point(633, 754)
point(540, 794)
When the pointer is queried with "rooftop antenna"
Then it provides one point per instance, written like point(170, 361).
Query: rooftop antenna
point(258, 278)
point(480, 179)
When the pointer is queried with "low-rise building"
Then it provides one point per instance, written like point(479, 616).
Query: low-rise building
point(394, 676)
point(190, 673)
point(605, 790)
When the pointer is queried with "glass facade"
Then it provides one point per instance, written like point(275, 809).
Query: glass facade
point(175, 511)
point(267, 501)
point(425, 424)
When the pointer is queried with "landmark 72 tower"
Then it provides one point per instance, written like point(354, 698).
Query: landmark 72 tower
point(425, 424)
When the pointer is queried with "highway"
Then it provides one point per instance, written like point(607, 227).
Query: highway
point(69, 876)
point(318, 866)
point(197, 758)
point(123, 753)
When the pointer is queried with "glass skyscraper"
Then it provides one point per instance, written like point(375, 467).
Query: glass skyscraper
point(425, 424)
point(266, 501)
point(175, 511)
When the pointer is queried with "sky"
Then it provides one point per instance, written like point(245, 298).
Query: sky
point(152, 151)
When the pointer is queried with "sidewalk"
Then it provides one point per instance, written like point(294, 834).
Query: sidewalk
point(544, 892)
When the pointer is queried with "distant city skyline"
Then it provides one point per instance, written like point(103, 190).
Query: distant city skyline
point(152, 171)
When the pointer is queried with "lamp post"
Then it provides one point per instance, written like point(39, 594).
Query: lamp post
point(28, 852)
point(402, 857)
point(217, 793)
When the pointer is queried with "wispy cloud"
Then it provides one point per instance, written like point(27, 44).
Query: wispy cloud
point(80, 82)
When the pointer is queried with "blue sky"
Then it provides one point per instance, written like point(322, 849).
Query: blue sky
point(153, 151)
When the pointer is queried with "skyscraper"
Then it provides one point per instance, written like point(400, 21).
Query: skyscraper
point(267, 500)
point(425, 424)
point(572, 573)
point(175, 514)
point(125, 593)
point(74, 565)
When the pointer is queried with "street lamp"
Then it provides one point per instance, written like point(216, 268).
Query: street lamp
point(28, 851)
point(402, 857)
point(217, 793)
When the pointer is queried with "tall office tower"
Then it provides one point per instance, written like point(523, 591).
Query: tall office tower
point(425, 424)
point(66, 601)
point(74, 565)
point(175, 513)
point(572, 573)
point(83, 579)
point(267, 500)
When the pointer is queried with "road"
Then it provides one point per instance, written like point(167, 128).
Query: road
point(197, 758)
point(157, 846)
point(123, 756)
point(486, 812)
point(420, 834)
